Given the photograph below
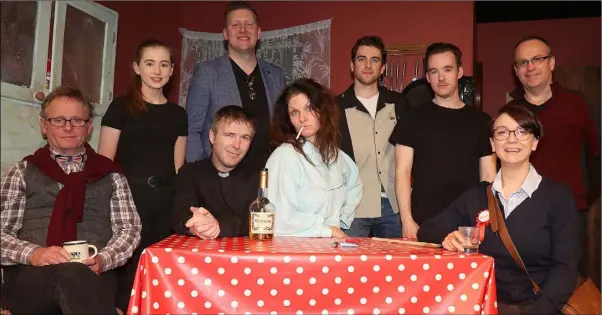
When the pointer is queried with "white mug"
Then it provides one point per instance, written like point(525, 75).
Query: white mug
point(80, 250)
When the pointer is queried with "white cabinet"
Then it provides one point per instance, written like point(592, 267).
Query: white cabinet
point(47, 44)
point(25, 37)
point(68, 42)
point(83, 49)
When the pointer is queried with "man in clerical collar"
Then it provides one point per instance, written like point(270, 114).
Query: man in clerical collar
point(236, 78)
point(213, 195)
point(65, 192)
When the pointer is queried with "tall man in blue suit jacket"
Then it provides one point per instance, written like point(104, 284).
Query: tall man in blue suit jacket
point(238, 78)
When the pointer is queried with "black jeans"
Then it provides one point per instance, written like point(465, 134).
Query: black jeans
point(154, 205)
point(69, 288)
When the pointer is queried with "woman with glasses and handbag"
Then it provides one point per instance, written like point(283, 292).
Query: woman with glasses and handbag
point(146, 135)
point(523, 212)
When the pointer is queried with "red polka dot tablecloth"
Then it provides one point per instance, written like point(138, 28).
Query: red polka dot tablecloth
point(186, 275)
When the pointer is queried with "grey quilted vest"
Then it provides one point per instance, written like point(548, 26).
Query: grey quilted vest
point(41, 192)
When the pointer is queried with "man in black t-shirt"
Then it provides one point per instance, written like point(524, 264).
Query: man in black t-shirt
point(213, 194)
point(442, 145)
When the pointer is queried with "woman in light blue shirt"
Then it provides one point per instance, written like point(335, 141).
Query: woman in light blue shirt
point(314, 186)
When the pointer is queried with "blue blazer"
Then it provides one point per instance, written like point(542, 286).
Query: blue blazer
point(212, 87)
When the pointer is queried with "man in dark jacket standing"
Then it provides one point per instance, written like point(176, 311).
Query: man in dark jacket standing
point(368, 115)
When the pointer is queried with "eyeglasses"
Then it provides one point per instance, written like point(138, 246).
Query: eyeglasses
point(75, 122)
point(534, 61)
point(502, 134)
point(250, 81)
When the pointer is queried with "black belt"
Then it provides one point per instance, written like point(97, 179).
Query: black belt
point(152, 181)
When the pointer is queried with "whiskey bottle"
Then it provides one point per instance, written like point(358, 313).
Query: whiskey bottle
point(261, 212)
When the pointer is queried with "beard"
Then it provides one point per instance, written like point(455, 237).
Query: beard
point(369, 81)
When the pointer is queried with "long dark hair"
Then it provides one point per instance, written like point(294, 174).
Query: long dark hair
point(135, 99)
point(322, 102)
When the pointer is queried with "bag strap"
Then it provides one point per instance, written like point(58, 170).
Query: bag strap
point(497, 224)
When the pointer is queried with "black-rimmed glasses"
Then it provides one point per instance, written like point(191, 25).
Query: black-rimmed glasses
point(252, 92)
point(75, 122)
point(534, 61)
point(502, 134)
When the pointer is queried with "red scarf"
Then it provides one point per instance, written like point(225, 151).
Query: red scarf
point(69, 205)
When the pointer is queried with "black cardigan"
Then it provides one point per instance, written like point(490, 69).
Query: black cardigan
point(544, 230)
point(198, 184)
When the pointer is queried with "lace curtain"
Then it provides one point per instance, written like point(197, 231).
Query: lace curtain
point(301, 51)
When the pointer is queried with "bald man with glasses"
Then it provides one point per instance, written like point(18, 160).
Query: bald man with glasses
point(567, 121)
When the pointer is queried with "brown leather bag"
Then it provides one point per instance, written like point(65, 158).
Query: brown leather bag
point(585, 298)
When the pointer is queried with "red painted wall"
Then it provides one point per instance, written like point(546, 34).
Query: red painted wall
point(575, 42)
point(139, 21)
point(403, 22)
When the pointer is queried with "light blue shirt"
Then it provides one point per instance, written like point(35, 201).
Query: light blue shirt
point(525, 191)
point(311, 198)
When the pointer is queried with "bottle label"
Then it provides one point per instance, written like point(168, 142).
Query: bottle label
point(262, 222)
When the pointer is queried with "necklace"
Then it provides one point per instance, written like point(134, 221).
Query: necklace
point(157, 101)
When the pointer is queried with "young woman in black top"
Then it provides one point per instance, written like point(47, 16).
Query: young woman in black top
point(146, 135)
point(540, 216)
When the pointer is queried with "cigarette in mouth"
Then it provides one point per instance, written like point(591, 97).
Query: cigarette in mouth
point(299, 134)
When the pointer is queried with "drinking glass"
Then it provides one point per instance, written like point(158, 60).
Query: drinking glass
point(470, 239)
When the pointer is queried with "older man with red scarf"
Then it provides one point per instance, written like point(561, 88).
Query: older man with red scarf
point(64, 192)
